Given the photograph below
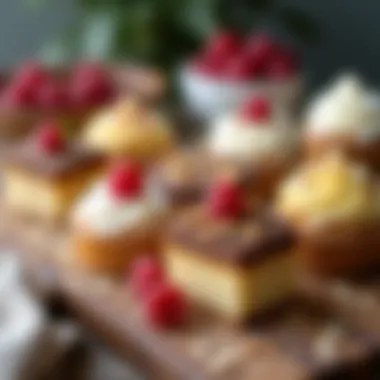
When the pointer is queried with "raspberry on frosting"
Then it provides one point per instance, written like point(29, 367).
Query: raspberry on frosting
point(225, 200)
point(257, 109)
point(49, 137)
point(125, 180)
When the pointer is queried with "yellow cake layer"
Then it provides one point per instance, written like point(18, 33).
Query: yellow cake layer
point(40, 196)
point(233, 291)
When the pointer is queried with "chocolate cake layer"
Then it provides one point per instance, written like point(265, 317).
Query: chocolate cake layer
point(185, 176)
point(246, 241)
point(27, 155)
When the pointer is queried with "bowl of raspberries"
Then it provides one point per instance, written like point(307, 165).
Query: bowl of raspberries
point(229, 69)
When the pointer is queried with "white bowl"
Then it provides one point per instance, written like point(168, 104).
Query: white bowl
point(207, 97)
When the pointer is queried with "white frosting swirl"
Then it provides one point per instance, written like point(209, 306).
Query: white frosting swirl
point(347, 108)
point(99, 212)
point(241, 139)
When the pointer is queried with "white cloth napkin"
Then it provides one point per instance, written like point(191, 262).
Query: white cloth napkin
point(30, 343)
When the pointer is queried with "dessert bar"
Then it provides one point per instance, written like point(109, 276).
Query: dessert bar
point(236, 260)
point(43, 174)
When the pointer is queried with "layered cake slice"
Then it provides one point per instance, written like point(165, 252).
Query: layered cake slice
point(233, 257)
point(43, 174)
point(117, 220)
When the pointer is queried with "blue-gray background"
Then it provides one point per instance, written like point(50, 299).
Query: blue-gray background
point(350, 33)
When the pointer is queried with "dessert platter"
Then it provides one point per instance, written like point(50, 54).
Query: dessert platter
point(251, 253)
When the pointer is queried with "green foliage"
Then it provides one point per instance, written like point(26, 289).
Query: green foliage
point(164, 31)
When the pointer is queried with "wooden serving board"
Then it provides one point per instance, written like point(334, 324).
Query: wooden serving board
point(206, 348)
point(356, 301)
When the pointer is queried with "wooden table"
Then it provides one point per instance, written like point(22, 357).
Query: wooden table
point(207, 349)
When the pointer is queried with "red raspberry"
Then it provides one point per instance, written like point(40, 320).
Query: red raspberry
point(223, 45)
point(208, 65)
point(145, 275)
point(257, 109)
point(166, 307)
point(49, 137)
point(26, 84)
point(19, 95)
point(239, 68)
point(225, 200)
point(88, 70)
point(53, 96)
point(125, 180)
point(283, 66)
point(31, 74)
point(259, 49)
point(219, 51)
point(91, 86)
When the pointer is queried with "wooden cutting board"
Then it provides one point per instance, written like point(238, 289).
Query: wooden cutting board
point(207, 348)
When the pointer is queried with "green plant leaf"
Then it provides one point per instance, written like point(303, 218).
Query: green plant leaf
point(136, 35)
point(300, 24)
point(199, 16)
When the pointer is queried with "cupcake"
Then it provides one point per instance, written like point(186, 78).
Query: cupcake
point(345, 116)
point(255, 147)
point(259, 138)
point(128, 129)
point(334, 204)
point(115, 221)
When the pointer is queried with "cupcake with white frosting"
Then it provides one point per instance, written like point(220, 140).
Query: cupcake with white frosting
point(254, 146)
point(346, 116)
point(334, 204)
point(118, 219)
point(259, 137)
point(256, 134)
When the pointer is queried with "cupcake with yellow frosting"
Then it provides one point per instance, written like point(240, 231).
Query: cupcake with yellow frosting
point(345, 116)
point(334, 204)
point(130, 130)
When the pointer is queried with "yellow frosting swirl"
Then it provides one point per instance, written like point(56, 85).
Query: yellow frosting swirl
point(332, 188)
point(128, 128)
